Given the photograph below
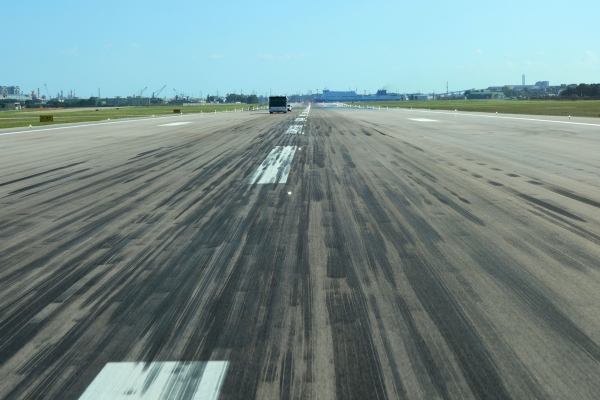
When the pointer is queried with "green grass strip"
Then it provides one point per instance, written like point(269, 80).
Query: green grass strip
point(24, 118)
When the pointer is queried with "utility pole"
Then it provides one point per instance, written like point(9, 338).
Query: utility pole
point(446, 90)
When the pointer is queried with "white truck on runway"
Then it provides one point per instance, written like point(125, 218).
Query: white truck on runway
point(278, 104)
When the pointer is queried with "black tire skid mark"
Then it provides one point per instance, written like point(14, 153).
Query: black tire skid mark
point(476, 364)
point(358, 370)
point(58, 290)
point(539, 304)
point(41, 173)
point(479, 369)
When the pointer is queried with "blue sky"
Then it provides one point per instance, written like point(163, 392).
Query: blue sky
point(291, 47)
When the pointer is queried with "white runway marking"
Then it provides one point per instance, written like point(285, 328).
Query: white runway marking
point(498, 116)
point(300, 119)
point(422, 119)
point(176, 123)
point(158, 380)
point(276, 167)
point(294, 130)
point(83, 125)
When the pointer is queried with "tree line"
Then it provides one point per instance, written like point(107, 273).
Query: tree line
point(242, 98)
point(235, 98)
point(582, 90)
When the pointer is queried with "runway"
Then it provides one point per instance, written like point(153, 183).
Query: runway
point(324, 253)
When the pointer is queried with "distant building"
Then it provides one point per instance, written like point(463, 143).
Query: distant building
point(9, 90)
point(528, 87)
point(139, 101)
point(420, 96)
point(540, 85)
point(12, 106)
point(485, 95)
point(112, 102)
point(330, 96)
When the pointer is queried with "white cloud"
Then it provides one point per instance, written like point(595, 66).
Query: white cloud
point(478, 51)
point(266, 57)
point(217, 56)
point(591, 55)
point(284, 57)
point(134, 46)
point(70, 52)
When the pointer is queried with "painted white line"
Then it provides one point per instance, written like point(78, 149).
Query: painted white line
point(158, 380)
point(300, 119)
point(498, 116)
point(176, 123)
point(276, 167)
point(294, 130)
point(85, 125)
point(529, 119)
point(422, 119)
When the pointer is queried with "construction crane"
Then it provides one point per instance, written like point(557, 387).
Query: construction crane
point(142, 91)
point(157, 93)
point(47, 92)
point(176, 94)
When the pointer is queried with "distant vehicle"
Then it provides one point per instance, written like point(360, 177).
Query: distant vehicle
point(278, 104)
point(289, 107)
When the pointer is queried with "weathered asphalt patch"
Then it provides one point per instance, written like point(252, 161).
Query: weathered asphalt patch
point(158, 380)
point(276, 167)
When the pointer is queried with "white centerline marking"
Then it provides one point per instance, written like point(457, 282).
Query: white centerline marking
point(422, 119)
point(158, 380)
point(294, 130)
point(276, 167)
point(176, 123)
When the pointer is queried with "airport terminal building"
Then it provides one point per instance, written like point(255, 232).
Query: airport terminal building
point(330, 96)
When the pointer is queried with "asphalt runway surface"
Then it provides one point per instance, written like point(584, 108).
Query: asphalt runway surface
point(361, 254)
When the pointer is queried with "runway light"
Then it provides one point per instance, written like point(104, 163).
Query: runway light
point(29, 126)
point(289, 192)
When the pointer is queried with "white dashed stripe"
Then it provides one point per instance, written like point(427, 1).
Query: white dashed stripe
point(294, 130)
point(158, 380)
point(176, 123)
point(276, 167)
